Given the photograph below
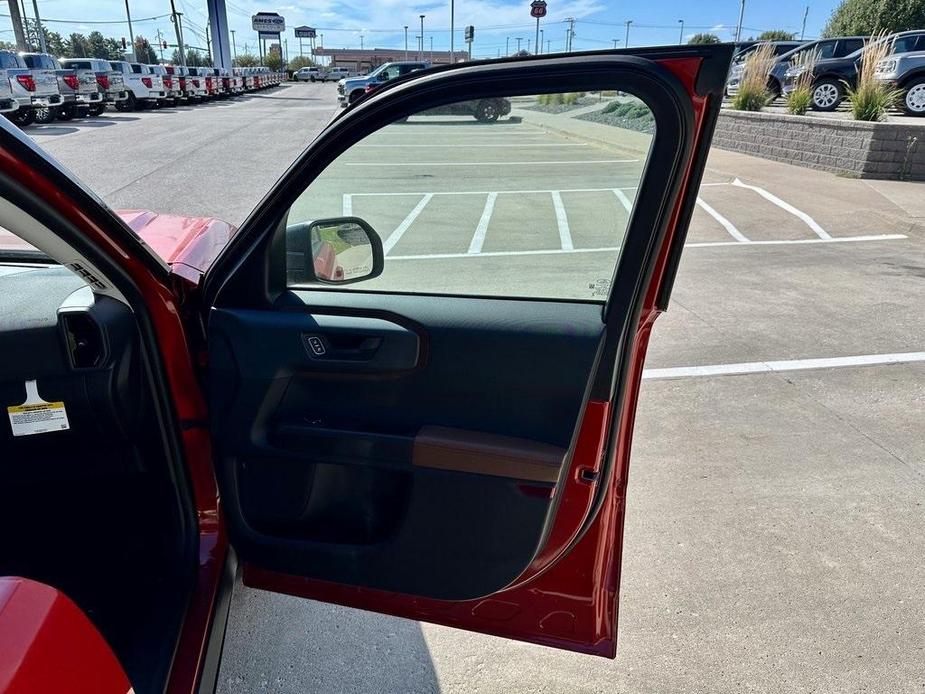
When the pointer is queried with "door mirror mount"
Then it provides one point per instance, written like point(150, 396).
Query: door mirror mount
point(339, 250)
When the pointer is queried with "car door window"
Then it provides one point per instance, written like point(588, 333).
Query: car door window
point(904, 44)
point(493, 190)
point(847, 46)
point(826, 50)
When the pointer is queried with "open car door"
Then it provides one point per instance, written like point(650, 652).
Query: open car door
point(425, 345)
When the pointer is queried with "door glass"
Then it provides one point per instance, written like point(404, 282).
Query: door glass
point(528, 196)
point(826, 50)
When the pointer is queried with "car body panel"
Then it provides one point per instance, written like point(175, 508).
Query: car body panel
point(44, 82)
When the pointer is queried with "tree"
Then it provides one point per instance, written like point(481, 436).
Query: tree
point(776, 35)
point(77, 46)
point(55, 44)
point(867, 17)
point(114, 49)
point(96, 46)
point(246, 60)
point(704, 38)
point(299, 62)
point(274, 61)
point(143, 51)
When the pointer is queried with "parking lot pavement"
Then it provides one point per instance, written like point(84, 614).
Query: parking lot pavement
point(215, 159)
point(774, 526)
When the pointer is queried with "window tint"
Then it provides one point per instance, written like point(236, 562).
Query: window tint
point(826, 49)
point(480, 198)
point(137, 69)
point(846, 46)
point(8, 60)
point(905, 44)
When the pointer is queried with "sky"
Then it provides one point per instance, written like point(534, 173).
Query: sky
point(498, 23)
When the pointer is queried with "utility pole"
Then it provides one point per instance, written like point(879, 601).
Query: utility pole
point(160, 44)
point(539, 48)
point(131, 36)
point(406, 43)
point(452, 28)
point(681, 35)
point(361, 42)
point(38, 26)
point(528, 45)
point(741, 18)
point(626, 41)
point(421, 54)
point(803, 30)
point(518, 39)
point(615, 42)
point(507, 46)
point(234, 49)
point(16, 19)
point(208, 41)
point(177, 19)
point(569, 34)
point(286, 49)
point(432, 49)
point(548, 45)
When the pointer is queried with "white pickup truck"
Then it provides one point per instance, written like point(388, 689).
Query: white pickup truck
point(143, 86)
point(32, 89)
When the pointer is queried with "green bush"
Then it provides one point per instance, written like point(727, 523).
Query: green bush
point(799, 100)
point(865, 17)
point(750, 99)
point(871, 101)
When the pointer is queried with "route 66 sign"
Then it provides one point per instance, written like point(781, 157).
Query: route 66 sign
point(538, 8)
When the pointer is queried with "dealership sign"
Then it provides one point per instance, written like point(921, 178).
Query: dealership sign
point(268, 22)
point(304, 32)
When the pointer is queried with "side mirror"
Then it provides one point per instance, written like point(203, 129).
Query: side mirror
point(341, 250)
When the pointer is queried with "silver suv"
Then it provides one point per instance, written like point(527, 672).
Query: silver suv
point(906, 72)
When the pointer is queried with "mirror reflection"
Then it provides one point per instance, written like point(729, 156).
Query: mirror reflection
point(341, 251)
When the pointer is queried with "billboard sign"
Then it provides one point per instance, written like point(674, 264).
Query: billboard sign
point(268, 22)
point(304, 32)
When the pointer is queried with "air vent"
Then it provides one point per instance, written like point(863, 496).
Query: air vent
point(87, 276)
point(85, 344)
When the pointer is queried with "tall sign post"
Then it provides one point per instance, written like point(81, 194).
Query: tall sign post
point(268, 25)
point(538, 10)
point(304, 32)
point(470, 37)
point(220, 45)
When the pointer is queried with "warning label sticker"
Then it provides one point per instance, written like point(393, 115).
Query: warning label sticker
point(35, 416)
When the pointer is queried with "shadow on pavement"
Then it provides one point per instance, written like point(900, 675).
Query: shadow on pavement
point(293, 646)
point(50, 130)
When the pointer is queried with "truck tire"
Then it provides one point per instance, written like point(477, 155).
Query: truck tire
point(827, 94)
point(487, 111)
point(22, 117)
point(355, 94)
point(914, 98)
point(131, 103)
point(97, 110)
point(44, 116)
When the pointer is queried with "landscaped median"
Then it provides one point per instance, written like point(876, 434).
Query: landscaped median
point(854, 148)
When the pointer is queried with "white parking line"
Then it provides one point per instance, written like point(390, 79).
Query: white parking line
point(416, 193)
point(614, 249)
point(487, 144)
point(489, 163)
point(725, 223)
point(400, 230)
point(348, 205)
point(770, 197)
point(624, 199)
point(788, 365)
point(478, 238)
point(565, 234)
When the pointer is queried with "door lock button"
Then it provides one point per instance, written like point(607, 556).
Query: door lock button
point(314, 344)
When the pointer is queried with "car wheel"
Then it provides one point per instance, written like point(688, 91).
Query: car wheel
point(44, 116)
point(827, 95)
point(23, 117)
point(355, 94)
point(131, 103)
point(97, 109)
point(914, 100)
point(487, 112)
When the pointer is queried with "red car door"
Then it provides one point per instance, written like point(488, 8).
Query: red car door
point(437, 423)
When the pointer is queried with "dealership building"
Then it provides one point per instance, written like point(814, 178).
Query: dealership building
point(365, 60)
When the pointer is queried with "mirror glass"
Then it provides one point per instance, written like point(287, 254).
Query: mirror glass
point(341, 251)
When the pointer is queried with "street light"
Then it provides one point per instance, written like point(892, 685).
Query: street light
point(507, 46)
point(539, 49)
point(519, 39)
point(626, 41)
point(406, 42)
point(741, 17)
point(615, 42)
point(421, 54)
point(681, 35)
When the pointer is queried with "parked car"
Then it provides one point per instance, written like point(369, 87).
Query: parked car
point(170, 86)
point(483, 110)
point(143, 87)
point(349, 90)
point(906, 72)
point(33, 90)
point(7, 102)
point(824, 49)
point(196, 83)
point(13, 106)
point(832, 77)
point(335, 74)
point(78, 88)
point(738, 62)
point(109, 82)
point(306, 74)
point(204, 406)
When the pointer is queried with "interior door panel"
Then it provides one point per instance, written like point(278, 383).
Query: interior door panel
point(426, 466)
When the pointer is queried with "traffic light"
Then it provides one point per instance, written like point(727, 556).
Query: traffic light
point(124, 44)
point(164, 45)
point(470, 33)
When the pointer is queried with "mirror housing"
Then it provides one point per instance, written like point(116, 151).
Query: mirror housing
point(335, 251)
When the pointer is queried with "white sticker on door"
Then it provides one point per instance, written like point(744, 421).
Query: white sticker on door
point(35, 416)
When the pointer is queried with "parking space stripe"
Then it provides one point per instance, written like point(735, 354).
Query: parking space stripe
point(777, 366)
point(614, 249)
point(499, 192)
point(484, 144)
point(400, 230)
point(725, 223)
point(565, 234)
point(624, 199)
point(770, 197)
point(348, 205)
point(478, 238)
point(489, 163)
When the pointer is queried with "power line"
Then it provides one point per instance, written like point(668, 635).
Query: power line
point(45, 20)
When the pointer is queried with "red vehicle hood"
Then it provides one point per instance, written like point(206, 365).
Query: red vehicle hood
point(187, 244)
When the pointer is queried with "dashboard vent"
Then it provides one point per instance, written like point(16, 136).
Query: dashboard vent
point(85, 344)
point(87, 276)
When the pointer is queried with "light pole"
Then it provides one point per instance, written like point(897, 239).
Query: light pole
point(539, 46)
point(528, 45)
point(131, 36)
point(452, 32)
point(626, 41)
point(431, 49)
point(741, 17)
point(615, 42)
point(361, 42)
point(803, 30)
point(519, 39)
point(38, 25)
point(234, 49)
point(406, 42)
point(421, 54)
point(507, 46)
point(681, 35)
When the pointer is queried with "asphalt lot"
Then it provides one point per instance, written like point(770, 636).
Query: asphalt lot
point(775, 525)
